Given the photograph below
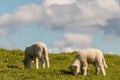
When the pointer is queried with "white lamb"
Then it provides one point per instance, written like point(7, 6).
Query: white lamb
point(88, 56)
point(35, 52)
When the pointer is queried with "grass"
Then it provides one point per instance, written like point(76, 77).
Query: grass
point(11, 68)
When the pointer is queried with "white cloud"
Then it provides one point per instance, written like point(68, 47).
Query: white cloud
point(60, 2)
point(23, 14)
point(32, 13)
point(82, 15)
point(71, 42)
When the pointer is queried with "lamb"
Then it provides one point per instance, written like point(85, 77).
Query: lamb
point(88, 56)
point(35, 52)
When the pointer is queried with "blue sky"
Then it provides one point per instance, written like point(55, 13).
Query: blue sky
point(64, 25)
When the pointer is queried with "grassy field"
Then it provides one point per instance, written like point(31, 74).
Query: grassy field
point(11, 68)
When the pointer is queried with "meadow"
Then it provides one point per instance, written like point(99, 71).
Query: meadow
point(11, 67)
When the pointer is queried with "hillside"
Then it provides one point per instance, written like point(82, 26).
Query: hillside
point(11, 68)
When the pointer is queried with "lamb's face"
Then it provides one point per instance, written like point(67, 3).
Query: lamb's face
point(26, 63)
point(75, 69)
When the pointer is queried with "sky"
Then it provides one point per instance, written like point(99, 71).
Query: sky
point(63, 25)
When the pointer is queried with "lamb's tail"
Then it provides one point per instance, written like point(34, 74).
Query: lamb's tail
point(104, 62)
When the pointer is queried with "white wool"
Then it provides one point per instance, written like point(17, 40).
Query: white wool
point(90, 56)
point(35, 52)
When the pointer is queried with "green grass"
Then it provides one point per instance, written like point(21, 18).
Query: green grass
point(11, 68)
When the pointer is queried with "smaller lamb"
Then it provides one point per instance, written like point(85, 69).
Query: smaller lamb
point(88, 56)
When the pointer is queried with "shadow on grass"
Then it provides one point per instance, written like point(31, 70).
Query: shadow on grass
point(66, 72)
point(13, 66)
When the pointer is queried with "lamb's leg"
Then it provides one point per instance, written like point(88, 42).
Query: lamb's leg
point(47, 61)
point(101, 66)
point(36, 63)
point(41, 58)
point(102, 70)
point(42, 61)
point(84, 69)
point(81, 70)
point(97, 69)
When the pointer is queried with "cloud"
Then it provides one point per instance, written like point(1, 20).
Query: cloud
point(71, 15)
point(23, 14)
point(32, 13)
point(112, 30)
point(80, 16)
point(84, 15)
point(60, 2)
point(71, 42)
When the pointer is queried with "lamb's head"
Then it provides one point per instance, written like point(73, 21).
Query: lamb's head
point(74, 68)
point(26, 63)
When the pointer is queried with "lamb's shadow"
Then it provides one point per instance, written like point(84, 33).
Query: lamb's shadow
point(66, 72)
point(13, 67)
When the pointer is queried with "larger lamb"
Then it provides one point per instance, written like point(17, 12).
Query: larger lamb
point(88, 56)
